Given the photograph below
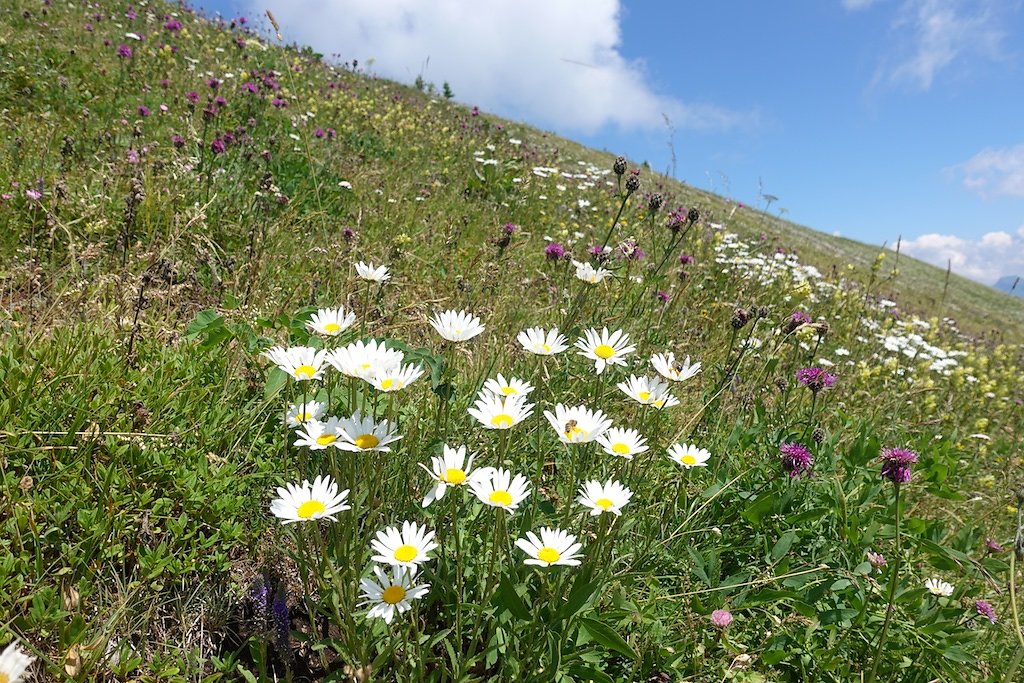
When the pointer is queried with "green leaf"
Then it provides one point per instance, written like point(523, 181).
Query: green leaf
point(202, 321)
point(507, 597)
point(585, 674)
point(759, 508)
point(957, 654)
point(582, 590)
point(276, 381)
point(606, 636)
point(783, 545)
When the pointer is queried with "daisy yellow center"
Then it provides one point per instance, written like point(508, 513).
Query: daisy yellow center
point(574, 432)
point(299, 417)
point(365, 366)
point(365, 441)
point(305, 371)
point(454, 476)
point(390, 384)
point(644, 395)
point(549, 555)
point(621, 448)
point(406, 553)
point(4, 678)
point(688, 459)
point(326, 439)
point(310, 508)
point(659, 403)
point(604, 503)
point(332, 328)
point(547, 349)
point(458, 331)
point(604, 351)
point(509, 391)
point(500, 497)
point(393, 595)
point(502, 420)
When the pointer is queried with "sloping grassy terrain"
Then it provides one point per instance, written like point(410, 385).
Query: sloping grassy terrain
point(183, 196)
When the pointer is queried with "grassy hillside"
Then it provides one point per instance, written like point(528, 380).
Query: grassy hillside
point(184, 201)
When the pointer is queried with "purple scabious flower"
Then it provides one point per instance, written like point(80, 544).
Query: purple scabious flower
point(796, 319)
point(993, 545)
point(896, 464)
point(554, 251)
point(721, 618)
point(815, 379)
point(985, 609)
point(797, 460)
point(124, 51)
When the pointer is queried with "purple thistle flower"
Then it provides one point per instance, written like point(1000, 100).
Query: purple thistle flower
point(983, 608)
point(213, 83)
point(348, 233)
point(815, 379)
point(993, 546)
point(896, 464)
point(250, 87)
point(509, 228)
point(34, 194)
point(192, 96)
point(279, 103)
point(173, 26)
point(124, 51)
point(797, 460)
point(319, 133)
point(177, 141)
point(662, 295)
point(796, 319)
point(218, 146)
point(685, 259)
point(554, 251)
point(143, 110)
point(721, 618)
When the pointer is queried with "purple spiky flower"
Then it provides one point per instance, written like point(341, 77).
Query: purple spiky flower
point(896, 464)
point(815, 379)
point(797, 460)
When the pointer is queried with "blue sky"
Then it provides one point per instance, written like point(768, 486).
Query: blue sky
point(868, 118)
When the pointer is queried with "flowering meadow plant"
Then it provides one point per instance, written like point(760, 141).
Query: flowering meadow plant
point(311, 375)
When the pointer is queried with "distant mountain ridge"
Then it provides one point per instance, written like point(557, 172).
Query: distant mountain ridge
point(1007, 282)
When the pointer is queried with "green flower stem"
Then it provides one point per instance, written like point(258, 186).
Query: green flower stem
point(894, 576)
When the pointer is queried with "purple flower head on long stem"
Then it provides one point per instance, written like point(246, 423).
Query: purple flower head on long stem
point(797, 460)
point(815, 379)
point(983, 608)
point(554, 251)
point(896, 464)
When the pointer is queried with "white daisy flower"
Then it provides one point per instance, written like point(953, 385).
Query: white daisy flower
point(689, 455)
point(317, 435)
point(300, 362)
point(305, 502)
point(451, 469)
point(605, 349)
point(648, 391)
point(456, 326)
point(405, 548)
point(331, 322)
point(396, 378)
point(669, 368)
point(497, 487)
point(391, 594)
point(358, 433)
point(543, 343)
point(587, 272)
point(553, 547)
point(300, 413)
point(365, 360)
point(368, 271)
point(512, 387)
point(939, 588)
point(610, 496)
point(500, 412)
point(13, 663)
point(623, 443)
point(578, 424)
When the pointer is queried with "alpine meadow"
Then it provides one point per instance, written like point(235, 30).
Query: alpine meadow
point(306, 375)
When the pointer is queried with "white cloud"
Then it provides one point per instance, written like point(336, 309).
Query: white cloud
point(553, 62)
point(856, 5)
point(936, 33)
point(986, 259)
point(994, 172)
